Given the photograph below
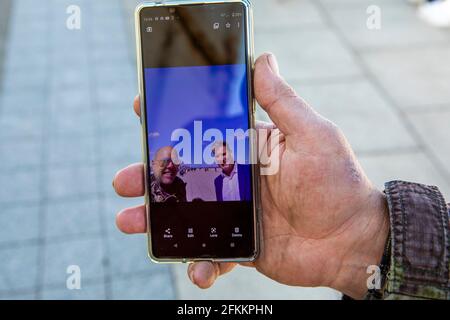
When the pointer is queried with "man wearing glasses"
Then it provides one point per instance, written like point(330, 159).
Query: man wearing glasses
point(166, 186)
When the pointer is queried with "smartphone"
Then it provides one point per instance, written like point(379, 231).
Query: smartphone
point(195, 65)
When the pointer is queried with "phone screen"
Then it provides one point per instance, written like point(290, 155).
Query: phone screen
point(197, 114)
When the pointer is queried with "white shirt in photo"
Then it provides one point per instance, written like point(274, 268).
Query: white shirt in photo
point(230, 190)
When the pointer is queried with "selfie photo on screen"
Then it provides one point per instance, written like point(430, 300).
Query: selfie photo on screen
point(190, 107)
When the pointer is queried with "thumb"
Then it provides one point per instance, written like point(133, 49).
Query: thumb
point(287, 110)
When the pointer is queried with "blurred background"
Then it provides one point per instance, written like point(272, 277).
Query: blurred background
point(380, 69)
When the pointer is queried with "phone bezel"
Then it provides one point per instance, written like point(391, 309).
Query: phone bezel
point(252, 108)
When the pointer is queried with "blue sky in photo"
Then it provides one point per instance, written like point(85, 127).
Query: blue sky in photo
point(177, 97)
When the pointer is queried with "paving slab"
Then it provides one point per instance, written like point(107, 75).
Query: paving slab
point(366, 118)
point(86, 253)
point(72, 218)
point(399, 26)
point(19, 186)
point(412, 167)
point(19, 224)
point(150, 287)
point(123, 148)
point(70, 99)
point(18, 270)
point(71, 182)
point(128, 256)
point(271, 15)
point(433, 127)
point(73, 151)
point(308, 55)
point(414, 78)
point(20, 153)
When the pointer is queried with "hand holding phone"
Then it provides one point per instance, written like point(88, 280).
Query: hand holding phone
point(323, 221)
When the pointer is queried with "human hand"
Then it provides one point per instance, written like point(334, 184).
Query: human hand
point(323, 221)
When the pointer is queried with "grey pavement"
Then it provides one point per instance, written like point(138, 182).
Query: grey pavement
point(66, 127)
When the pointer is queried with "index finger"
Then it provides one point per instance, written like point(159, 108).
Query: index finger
point(137, 105)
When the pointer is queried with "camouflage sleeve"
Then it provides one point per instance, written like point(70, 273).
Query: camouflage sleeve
point(420, 243)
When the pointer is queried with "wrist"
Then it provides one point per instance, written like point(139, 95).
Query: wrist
point(366, 247)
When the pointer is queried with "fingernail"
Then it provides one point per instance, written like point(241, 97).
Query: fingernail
point(273, 64)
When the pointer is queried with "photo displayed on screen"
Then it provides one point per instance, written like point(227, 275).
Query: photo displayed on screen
point(198, 133)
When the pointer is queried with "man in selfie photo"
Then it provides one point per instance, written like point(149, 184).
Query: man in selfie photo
point(166, 186)
point(232, 184)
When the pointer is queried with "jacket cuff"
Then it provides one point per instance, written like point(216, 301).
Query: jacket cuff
point(420, 254)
